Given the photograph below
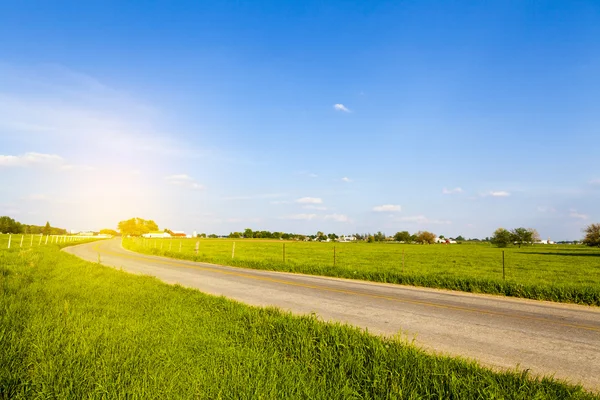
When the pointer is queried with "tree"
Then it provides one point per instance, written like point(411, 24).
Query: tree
point(521, 236)
point(9, 225)
point(535, 236)
point(109, 232)
point(47, 228)
point(379, 236)
point(501, 238)
point(137, 227)
point(235, 235)
point(403, 236)
point(592, 235)
point(459, 238)
point(370, 239)
point(248, 234)
point(425, 237)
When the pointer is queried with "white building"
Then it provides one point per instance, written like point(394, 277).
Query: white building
point(160, 235)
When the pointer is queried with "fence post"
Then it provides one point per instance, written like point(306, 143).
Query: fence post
point(197, 247)
point(284, 253)
point(334, 256)
point(233, 250)
point(31, 244)
point(9, 239)
point(402, 260)
point(46, 242)
point(40, 242)
point(22, 237)
point(503, 274)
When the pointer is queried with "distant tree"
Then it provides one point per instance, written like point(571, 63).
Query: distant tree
point(459, 238)
point(521, 236)
point(403, 236)
point(235, 235)
point(502, 237)
point(425, 237)
point(379, 236)
point(9, 225)
point(592, 235)
point(248, 233)
point(202, 235)
point(535, 236)
point(442, 237)
point(137, 226)
point(109, 232)
point(321, 236)
point(370, 239)
point(212, 236)
point(47, 228)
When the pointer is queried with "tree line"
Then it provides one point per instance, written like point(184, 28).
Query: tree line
point(9, 225)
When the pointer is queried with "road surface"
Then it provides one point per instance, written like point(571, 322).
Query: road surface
point(548, 338)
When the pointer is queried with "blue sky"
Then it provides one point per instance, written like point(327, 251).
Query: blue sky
point(454, 117)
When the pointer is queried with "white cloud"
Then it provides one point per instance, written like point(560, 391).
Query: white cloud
point(258, 197)
point(305, 217)
point(497, 193)
point(309, 200)
point(421, 219)
point(574, 214)
point(346, 179)
point(31, 159)
point(452, 191)
point(341, 107)
point(387, 208)
point(337, 217)
point(184, 181)
point(544, 209)
point(595, 182)
point(314, 207)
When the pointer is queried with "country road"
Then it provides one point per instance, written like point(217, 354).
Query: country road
point(547, 338)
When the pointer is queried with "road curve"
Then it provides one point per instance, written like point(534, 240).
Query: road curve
point(548, 338)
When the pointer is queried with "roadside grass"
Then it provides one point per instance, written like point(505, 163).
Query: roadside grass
point(544, 272)
point(75, 329)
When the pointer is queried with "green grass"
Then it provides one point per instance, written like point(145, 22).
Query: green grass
point(546, 272)
point(75, 329)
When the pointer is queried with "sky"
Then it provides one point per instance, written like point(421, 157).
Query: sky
point(448, 116)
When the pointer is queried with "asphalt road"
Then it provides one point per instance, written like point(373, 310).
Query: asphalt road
point(546, 338)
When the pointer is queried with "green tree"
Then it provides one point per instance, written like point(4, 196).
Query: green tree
point(47, 228)
point(137, 227)
point(109, 232)
point(403, 236)
point(380, 236)
point(248, 233)
point(425, 237)
point(501, 238)
point(459, 238)
point(521, 236)
point(592, 235)
point(9, 225)
point(235, 235)
point(370, 239)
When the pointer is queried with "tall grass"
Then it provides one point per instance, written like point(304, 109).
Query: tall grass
point(74, 329)
point(563, 274)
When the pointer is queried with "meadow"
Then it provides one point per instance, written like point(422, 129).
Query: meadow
point(75, 329)
point(566, 273)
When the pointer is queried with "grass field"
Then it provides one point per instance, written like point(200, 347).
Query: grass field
point(550, 272)
point(75, 329)
point(30, 240)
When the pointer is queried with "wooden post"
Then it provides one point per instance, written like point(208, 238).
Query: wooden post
point(197, 246)
point(334, 256)
point(402, 260)
point(503, 274)
point(47, 236)
point(180, 246)
point(31, 244)
point(284, 253)
point(22, 237)
point(233, 250)
point(9, 239)
point(40, 242)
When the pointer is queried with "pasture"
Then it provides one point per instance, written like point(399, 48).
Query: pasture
point(75, 329)
point(565, 273)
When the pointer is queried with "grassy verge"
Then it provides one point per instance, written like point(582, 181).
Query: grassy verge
point(74, 329)
point(576, 271)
